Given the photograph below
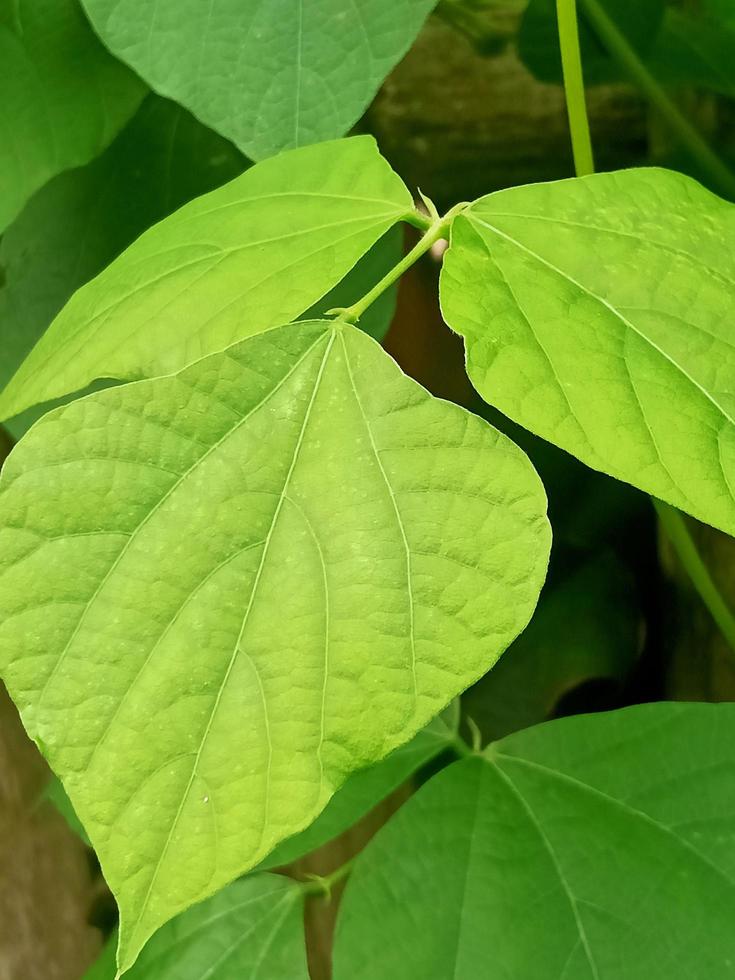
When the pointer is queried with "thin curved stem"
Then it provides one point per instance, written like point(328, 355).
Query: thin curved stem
point(322, 885)
point(571, 62)
point(439, 228)
point(689, 137)
point(674, 524)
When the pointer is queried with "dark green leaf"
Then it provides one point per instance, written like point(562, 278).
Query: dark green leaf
point(267, 74)
point(252, 254)
point(62, 97)
point(597, 847)
point(80, 221)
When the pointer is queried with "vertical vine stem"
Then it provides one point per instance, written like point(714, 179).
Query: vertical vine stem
point(671, 520)
point(674, 524)
point(571, 62)
point(689, 137)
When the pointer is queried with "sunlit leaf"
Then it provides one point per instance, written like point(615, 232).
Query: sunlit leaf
point(244, 582)
point(251, 930)
point(252, 254)
point(594, 313)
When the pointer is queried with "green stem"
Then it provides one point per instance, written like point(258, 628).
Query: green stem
point(571, 62)
point(439, 228)
point(322, 885)
point(674, 524)
point(688, 136)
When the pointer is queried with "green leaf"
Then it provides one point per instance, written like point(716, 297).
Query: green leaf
point(367, 788)
point(105, 966)
point(538, 38)
point(80, 221)
point(267, 74)
point(248, 256)
point(252, 929)
point(592, 312)
point(63, 97)
point(245, 582)
point(597, 846)
point(586, 628)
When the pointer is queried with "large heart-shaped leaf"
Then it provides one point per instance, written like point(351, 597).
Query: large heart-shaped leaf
point(81, 220)
point(252, 254)
point(223, 591)
point(251, 930)
point(268, 74)
point(593, 847)
point(62, 97)
point(595, 313)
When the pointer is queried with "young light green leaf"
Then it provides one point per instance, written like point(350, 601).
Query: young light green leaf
point(80, 221)
point(251, 930)
point(267, 74)
point(252, 254)
point(223, 591)
point(105, 966)
point(592, 847)
point(594, 313)
point(63, 97)
point(365, 789)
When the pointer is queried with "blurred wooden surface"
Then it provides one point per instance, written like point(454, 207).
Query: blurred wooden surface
point(47, 882)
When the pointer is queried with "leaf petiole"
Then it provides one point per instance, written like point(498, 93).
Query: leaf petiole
point(437, 229)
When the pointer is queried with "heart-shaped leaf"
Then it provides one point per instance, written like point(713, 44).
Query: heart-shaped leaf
point(268, 74)
point(595, 313)
point(63, 97)
point(223, 591)
point(252, 254)
point(593, 847)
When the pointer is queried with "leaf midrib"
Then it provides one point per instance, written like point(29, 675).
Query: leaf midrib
point(168, 493)
point(143, 907)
